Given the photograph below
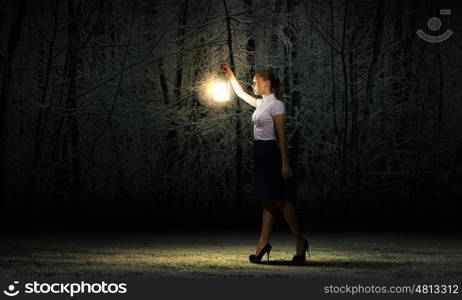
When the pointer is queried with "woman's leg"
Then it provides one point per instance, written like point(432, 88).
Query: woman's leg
point(269, 216)
point(290, 214)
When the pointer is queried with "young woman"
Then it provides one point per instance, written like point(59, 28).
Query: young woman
point(271, 166)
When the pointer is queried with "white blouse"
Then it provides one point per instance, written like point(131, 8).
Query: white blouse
point(262, 118)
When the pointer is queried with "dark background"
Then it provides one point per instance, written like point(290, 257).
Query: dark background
point(105, 121)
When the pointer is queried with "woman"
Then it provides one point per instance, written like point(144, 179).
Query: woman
point(271, 161)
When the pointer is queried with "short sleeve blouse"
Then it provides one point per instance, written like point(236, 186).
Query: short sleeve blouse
point(262, 118)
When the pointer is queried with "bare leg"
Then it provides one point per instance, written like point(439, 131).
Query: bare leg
point(269, 216)
point(290, 214)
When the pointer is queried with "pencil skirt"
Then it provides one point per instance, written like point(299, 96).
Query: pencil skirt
point(269, 183)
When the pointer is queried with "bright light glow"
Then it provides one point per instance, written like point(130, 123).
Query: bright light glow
point(221, 91)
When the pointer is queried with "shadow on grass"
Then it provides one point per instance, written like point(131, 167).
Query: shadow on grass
point(337, 264)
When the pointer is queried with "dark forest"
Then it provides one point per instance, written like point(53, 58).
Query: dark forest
point(105, 117)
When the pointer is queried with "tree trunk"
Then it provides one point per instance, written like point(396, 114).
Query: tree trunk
point(180, 44)
point(333, 78)
point(352, 87)
point(6, 59)
point(42, 117)
point(172, 150)
point(370, 87)
point(345, 97)
point(251, 61)
point(238, 187)
point(291, 81)
point(74, 10)
point(163, 80)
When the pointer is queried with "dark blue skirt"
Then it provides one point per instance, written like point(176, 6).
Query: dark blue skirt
point(269, 183)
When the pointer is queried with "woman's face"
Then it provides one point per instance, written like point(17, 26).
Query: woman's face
point(260, 85)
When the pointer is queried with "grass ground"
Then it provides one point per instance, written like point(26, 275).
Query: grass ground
point(214, 254)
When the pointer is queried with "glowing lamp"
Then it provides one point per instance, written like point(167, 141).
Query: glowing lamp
point(221, 89)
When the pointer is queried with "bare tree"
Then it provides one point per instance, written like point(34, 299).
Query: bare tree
point(7, 51)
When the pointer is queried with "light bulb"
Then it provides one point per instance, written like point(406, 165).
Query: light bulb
point(221, 91)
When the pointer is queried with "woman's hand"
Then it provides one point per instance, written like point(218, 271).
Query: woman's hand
point(286, 171)
point(237, 87)
point(228, 70)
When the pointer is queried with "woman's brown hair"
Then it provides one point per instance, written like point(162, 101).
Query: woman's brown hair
point(276, 86)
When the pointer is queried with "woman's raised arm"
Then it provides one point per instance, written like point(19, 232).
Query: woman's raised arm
point(237, 87)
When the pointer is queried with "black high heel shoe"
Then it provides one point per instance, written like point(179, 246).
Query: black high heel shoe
point(257, 258)
point(300, 259)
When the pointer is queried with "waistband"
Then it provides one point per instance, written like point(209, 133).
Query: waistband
point(265, 142)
